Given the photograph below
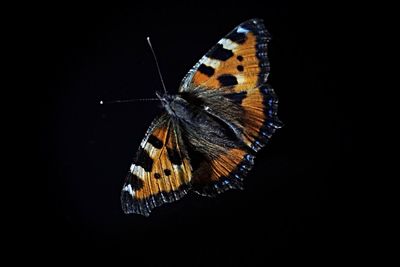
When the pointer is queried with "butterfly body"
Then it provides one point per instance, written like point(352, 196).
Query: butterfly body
point(210, 131)
point(203, 127)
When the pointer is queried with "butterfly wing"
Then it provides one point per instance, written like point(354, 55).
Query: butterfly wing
point(238, 67)
point(161, 171)
point(238, 64)
point(238, 61)
point(226, 171)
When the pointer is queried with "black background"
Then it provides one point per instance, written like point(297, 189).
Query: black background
point(291, 202)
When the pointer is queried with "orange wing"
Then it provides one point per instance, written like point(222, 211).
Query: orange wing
point(238, 61)
point(161, 172)
point(227, 170)
point(237, 66)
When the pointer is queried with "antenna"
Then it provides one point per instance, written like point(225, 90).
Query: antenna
point(158, 67)
point(128, 100)
point(101, 102)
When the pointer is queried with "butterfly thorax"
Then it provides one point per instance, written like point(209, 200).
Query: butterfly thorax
point(205, 130)
point(182, 109)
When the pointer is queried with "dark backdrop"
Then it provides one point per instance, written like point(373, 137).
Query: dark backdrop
point(290, 201)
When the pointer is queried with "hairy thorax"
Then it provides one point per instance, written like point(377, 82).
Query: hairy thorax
point(204, 128)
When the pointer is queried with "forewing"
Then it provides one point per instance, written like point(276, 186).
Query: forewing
point(238, 61)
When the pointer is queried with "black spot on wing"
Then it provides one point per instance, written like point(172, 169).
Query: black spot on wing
point(174, 156)
point(240, 68)
point(135, 182)
point(237, 97)
point(155, 142)
point(240, 58)
point(220, 53)
point(143, 160)
point(237, 37)
point(227, 80)
point(167, 172)
point(206, 70)
point(157, 175)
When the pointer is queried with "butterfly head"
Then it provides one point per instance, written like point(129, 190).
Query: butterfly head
point(175, 105)
point(166, 101)
point(164, 98)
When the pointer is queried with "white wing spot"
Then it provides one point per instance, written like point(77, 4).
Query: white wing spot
point(138, 171)
point(242, 30)
point(228, 44)
point(152, 151)
point(240, 78)
point(128, 188)
point(211, 62)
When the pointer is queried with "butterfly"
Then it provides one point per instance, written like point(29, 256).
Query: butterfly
point(207, 137)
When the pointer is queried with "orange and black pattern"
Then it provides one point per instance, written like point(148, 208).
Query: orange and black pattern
point(161, 171)
point(208, 137)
